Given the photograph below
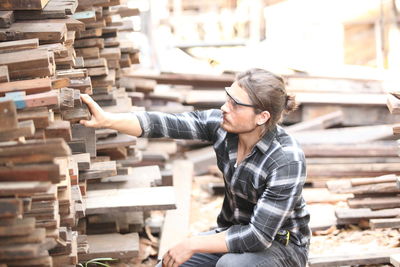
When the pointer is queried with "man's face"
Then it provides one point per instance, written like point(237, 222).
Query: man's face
point(238, 113)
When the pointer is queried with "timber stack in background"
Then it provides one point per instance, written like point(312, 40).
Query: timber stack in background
point(67, 190)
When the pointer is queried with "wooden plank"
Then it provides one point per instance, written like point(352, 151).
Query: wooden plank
point(71, 23)
point(45, 32)
point(91, 42)
point(37, 236)
point(346, 216)
point(393, 104)
point(32, 86)
point(98, 71)
point(4, 76)
point(99, 170)
point(17, 227)
point(23, 188)
point(80, 132)
point(6, 19)
point(76, 114)
point(138, 177)
point(24, 129)
point(176, 222)
point(136, 199)
point(8, 116)
point(96, 62)
point(59, 129)
point(384, 223)
point(117, 141)
point(10, 207)
point(352, 170)
point(100, 246)
point(371, 149)
point(354, 258)
point(23, 4)
point(374, 203)
point(319, 123)
point(41, 116)
point(22, 64)
point(55, 9)
point(85, 16)
point(31, 172)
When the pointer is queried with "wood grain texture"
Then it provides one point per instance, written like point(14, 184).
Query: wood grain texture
point(23, 4)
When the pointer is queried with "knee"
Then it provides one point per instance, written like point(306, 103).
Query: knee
point(228, 260)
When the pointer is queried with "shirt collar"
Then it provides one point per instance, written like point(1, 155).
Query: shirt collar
point(266, 141)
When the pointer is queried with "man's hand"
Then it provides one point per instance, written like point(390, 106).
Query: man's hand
point(178, 254)
point(99, 116)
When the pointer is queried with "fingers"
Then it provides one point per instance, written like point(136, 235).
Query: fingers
point(168, 261)
point(92, 105)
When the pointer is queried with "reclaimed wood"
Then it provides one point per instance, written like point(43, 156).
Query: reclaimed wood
point(100, 246)
point(37, 236)
point(352, 170)
point(4, 76)
point(31, 172)
point(85, 16)
point(393, 104)
point(25, 129)
point(119, 140)
point(23, 4)
point(45, 32)
point(88, 52)
point(97, 62)
point(23, 64)
point(370, 149)
point(55, 9)
point(10, 207)
point(71, 23)
point(318, 123)
point(374, 203)
point(17, 227)
point(6, 19)
point(91, 42)
point(23, 188)
point(8, 116)
point(346, 216)
point(41, 116)
point(59, 129)
point(353, 258)
point(76, 114)
point(384, 223)
point(176, 222)
point(80, 132)
point(32, 86)
point(99, 170)
point(135, 199)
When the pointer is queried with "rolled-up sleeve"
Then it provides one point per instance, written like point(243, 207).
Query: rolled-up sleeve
point(200, 125)
point(274, 207)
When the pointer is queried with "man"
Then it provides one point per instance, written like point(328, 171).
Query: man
point(263, 221)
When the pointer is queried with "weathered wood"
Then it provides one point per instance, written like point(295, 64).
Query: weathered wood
point(393, 104)
point(25, 129)
point(6, 19)
point(17, 227)
point(384, 223)
point(98, 71)
point(80, 132)
point(41, 116)
point(104, 81)
point(374, 203)
point(71, 23)
point(8, 116)
point(59, 129)
point(374, 180)
point(99, 170)
point(76, 114)
point(10, 207)
point(45, 32)
point(90, 33)
point(346, 216)
point(89, 52)
point(37, 236)
point(83, 85)
point(355, 258)
point(33, 86)
point(85, 16)
point(371, 149)
point(176, 223)
point(91, 42)
point(4, 76)
point(55, 9)
point(100, 246)
point(23, 4)
point(119, 140)
point(31, 172)
point(319, 123)
point(136, 199)
point(23, 188)
point(23, 64)
point(97, 62)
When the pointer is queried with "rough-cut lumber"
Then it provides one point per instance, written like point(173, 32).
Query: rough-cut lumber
point(33, 151)
point(23, 4)
point(319, 123)
point(37, 236)
point(85, 16)
point(6, 19)
point(41, 116)
point(28, 64)
point(346, 216)
point(384, 223)
point(33, 86)
point(111, 245)
point(136, 199)
point(25, 129)
point(352, 170)
point(17, 227)
point(393, 103)
point(59, 128)
point(8, 116)
point(55, 9)
point(45, 32)
point(371, 149)
point(176, 223)
point(80, 132)
point(355, 258)
point(14, 46)
point(374, 203)
point(4, 76)
point(23, 188)
point(117, 141)
point(71, 23)
point(31, 172)
point(10, 207)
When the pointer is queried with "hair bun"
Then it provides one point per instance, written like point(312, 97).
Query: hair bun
point(290, 103)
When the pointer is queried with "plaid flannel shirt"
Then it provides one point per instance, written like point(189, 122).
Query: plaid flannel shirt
point(262, 194)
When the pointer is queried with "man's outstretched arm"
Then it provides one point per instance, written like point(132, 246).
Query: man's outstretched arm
point(126, 123)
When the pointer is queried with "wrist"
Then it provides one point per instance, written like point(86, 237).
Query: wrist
point(193, 244)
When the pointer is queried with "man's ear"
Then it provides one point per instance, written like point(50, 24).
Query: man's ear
point(263, 117)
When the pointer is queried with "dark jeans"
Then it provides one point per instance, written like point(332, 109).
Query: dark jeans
point(275, 256)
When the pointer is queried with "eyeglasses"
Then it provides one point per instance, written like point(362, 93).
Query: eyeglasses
point(235, 102)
